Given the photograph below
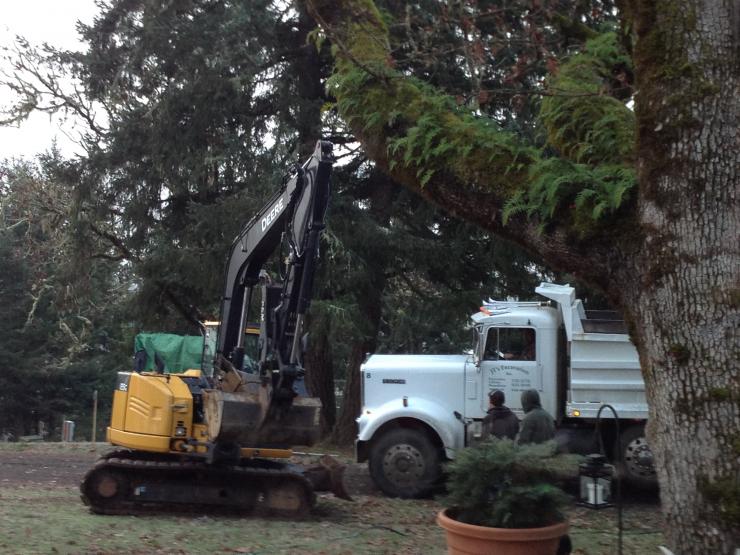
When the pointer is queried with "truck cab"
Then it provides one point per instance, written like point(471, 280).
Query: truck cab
point(516, 350)
point(418, 410)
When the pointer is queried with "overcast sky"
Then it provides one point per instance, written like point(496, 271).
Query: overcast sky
point(51, 21)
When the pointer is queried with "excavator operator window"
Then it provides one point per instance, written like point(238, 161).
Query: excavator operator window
point(251, 349)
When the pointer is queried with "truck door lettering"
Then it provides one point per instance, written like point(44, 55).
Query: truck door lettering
point(513, 377)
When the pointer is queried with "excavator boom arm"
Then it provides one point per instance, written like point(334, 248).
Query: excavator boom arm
point(296, 211)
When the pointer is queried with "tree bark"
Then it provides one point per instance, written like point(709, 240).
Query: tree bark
point(370, 302)
point(345, 431)
point(307, 67)
point(319, 363)
point(683, 291)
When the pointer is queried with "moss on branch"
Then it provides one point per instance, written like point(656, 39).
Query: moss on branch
point(583, 119)
point(421, 132)
point(425, 130)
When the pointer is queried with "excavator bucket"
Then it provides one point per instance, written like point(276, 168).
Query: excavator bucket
point(246, 418)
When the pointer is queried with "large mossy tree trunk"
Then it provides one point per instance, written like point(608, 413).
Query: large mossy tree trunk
point(669, 256)
point(682, 288)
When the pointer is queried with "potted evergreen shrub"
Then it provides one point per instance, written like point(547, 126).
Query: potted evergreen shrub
point(502, 499)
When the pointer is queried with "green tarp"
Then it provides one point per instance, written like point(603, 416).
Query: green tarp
point(177, 352)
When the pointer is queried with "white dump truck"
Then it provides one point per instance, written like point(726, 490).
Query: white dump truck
point(418, 410)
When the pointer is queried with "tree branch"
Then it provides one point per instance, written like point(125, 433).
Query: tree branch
point(191, 313)
point(36, 78)
point(114, 240)
point(465, 164)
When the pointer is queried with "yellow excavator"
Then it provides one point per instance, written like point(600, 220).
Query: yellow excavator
point(219, 437)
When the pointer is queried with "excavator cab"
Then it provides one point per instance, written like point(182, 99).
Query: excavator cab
point(251, 347)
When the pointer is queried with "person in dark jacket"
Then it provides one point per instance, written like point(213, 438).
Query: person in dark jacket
point(500, 421)
point(537, 424)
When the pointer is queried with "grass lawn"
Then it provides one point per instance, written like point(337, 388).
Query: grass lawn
point(41, 512)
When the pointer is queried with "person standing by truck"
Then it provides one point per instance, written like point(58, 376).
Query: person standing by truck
point(499, 422)
point(537, 424)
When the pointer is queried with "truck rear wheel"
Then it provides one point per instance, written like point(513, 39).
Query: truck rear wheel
point(638, 468)
point(405, 463)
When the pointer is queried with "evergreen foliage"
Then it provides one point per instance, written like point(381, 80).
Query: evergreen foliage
point(593, 131)
point(60, 331)
point(502, 484)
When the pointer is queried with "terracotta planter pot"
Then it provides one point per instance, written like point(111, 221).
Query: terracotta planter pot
point(468, 539)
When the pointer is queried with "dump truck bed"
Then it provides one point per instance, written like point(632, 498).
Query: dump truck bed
point(604, 366)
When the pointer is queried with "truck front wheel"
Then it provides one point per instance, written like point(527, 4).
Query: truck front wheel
point(405, 463)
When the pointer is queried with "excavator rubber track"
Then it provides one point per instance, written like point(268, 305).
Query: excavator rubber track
point(132, 482)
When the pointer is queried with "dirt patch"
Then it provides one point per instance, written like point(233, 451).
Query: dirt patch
point(65, 465)
point(28, 465)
